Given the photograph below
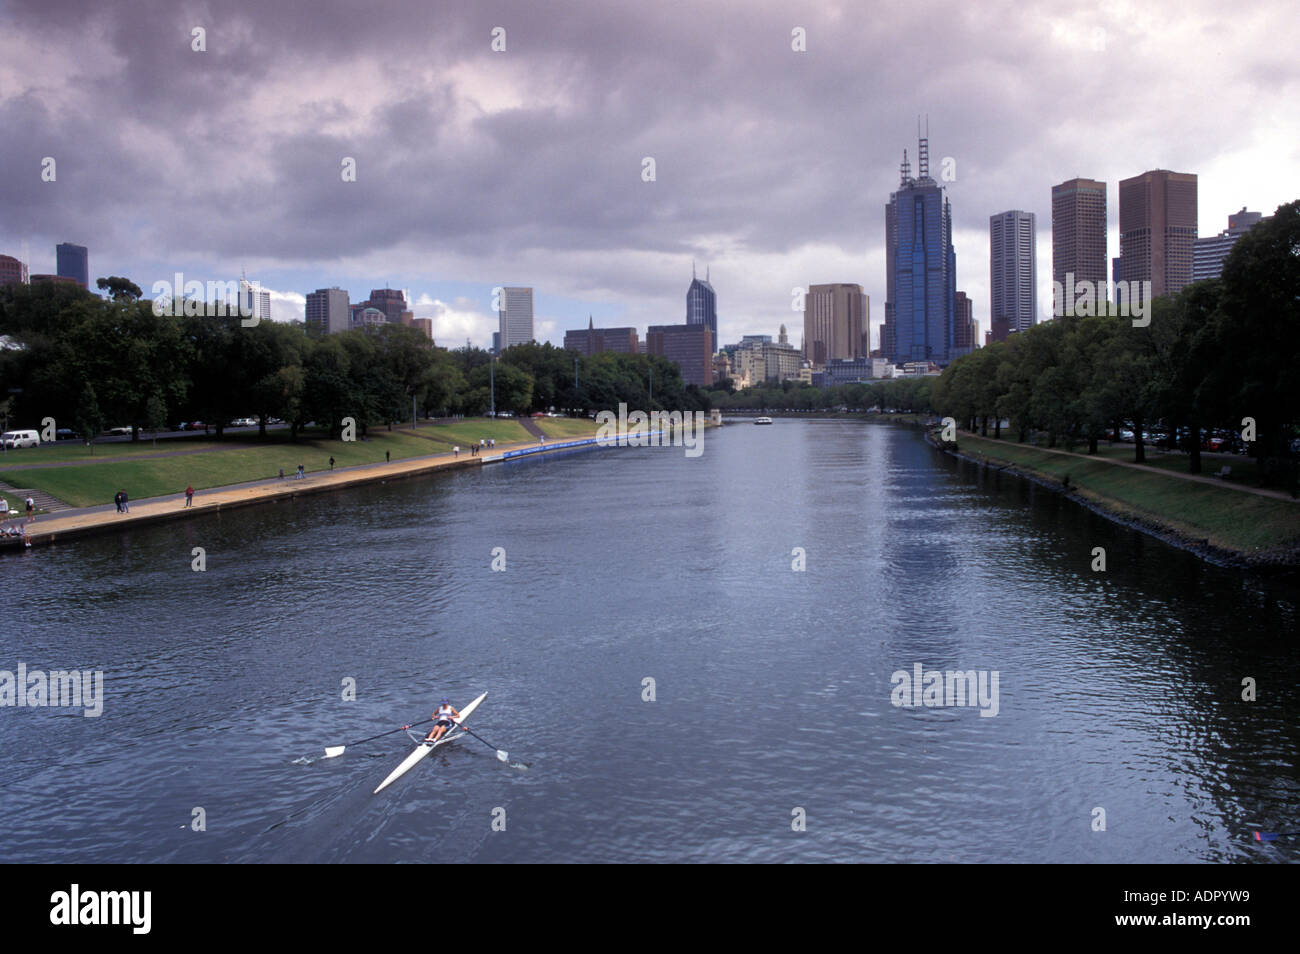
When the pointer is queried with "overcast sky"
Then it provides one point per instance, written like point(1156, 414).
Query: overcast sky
point(477, 168)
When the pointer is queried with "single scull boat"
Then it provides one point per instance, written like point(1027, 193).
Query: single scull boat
point(424, 748)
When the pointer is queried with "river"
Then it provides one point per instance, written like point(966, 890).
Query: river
point(771, 734)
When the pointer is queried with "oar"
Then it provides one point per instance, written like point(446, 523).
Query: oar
point(1274, 835)
point(501, 754)
point(333, 751)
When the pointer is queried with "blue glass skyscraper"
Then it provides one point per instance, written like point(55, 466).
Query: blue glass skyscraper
point(702, 305)
point(71, 261)
point(921, 268)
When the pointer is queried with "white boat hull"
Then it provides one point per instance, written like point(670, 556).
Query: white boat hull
point(424, 749)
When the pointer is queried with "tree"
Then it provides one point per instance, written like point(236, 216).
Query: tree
point(120, 289)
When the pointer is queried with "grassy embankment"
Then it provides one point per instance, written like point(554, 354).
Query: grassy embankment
point(1227, 518)
point(88, 481)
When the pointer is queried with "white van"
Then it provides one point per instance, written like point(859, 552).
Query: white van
point(20, 439)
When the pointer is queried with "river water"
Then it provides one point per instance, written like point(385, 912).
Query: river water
point(1119, 693)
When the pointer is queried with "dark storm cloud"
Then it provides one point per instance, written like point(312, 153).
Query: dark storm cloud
point(463, 153)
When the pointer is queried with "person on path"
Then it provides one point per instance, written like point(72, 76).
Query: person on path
point(388, 457)
point(331, 463)
point(189, 495)
point(302, 473)
point(455, 451)
point(282, 473)
point(126, 503)
point(31, 505)
point(117, 499)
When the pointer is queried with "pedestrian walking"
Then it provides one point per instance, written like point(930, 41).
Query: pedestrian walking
point(126, 503)
point(117, 499)
point(282, 473)
point(331, 463)
point(455, 451)
point(31, 505)
point(388, 457)
point(189, 495)
point(302, 472)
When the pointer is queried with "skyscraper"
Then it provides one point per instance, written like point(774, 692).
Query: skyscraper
point(964, 328)
point(920, 267)
point(328, 311)
point(515, 317)
point(391, 301)
point(1208, 253)
point(254, 302)
point(702, 305)
point(73, 262)
point(1079, 231)
point(1013, 270)
point(1157, 229)
point(691, 346)
point(12, 271)
point(835, 322)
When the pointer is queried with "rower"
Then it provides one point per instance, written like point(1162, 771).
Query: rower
point(443, 720)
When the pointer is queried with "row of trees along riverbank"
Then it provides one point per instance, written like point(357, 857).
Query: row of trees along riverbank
point(1217, 353)
point(94, 362)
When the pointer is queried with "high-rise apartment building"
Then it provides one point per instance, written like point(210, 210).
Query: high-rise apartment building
point(328, 311)
point(1157, 229)
point(1079, 232)
point(920, 267)
point(836, 318)
point(515, 317)
point(12, 271)
point(73, 262)
point(254, 302)
point(964, 336)
point(702, 305)
point(1013, 270)
point(391, 301)
point(1208, 254)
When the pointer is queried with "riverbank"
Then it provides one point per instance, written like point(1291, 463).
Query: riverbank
point(76, 523)
point(1224, 524)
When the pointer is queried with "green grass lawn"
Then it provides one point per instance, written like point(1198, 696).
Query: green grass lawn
point(90, 484)
point(1228, 518)
point(567, 428)
point(65, 451)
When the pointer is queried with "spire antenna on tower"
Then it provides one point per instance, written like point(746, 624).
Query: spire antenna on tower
point(923, 149)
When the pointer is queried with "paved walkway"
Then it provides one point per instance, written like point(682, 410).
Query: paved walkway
point(69, 524)
point(1197, 478)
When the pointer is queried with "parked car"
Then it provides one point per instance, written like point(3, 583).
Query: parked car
point(119, 430)
point(198, 426)
point(66, 434)
point(20, 439)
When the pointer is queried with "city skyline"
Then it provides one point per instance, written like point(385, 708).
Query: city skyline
point(768, 214)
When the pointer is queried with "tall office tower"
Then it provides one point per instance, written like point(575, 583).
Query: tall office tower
point(328, 311)
point(691, 346)
point(254, 302)
point(391, 301)
point(1013, 270)
point(1208, 254)
point(702, 304)
point(1157, 229)
point(964, 336)
point(1079, 232)
point(835, 322)
point(920, 267)
point(516, 317)
point(73, 262)
point(12, 271)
